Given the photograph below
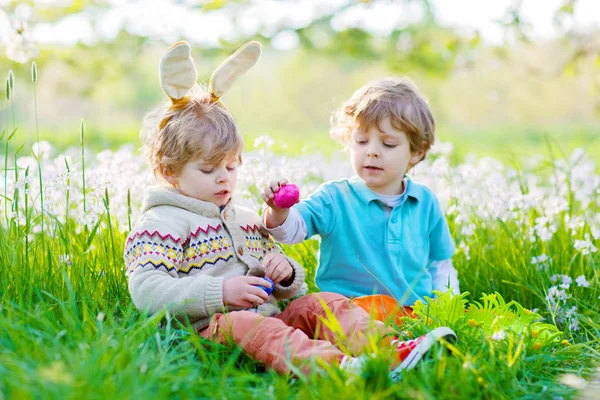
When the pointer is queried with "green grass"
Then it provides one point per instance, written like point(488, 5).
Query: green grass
point(69, 330)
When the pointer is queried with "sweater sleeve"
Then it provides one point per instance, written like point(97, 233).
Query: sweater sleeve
point(153, 254)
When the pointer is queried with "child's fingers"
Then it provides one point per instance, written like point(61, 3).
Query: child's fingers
point(277, 269)
point(267, 260)
point(274, 185)
point(256, 292)
point(255, 280)
point(250, 301)
point(268, 192)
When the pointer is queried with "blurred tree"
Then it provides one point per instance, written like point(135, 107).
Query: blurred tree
point(422, 44)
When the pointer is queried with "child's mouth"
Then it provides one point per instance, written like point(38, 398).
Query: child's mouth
point(372, 168)
point(222, 193)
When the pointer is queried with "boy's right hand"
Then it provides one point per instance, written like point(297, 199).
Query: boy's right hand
point(241, 291)
point(274, 216)
point(269, 192)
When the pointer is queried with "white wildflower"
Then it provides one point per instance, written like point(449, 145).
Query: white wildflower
point(585, 246)
point(20, 48)
point(65, 258)
point(574, 324)
point(499, 335)
point(581, 281)
point(468, 230)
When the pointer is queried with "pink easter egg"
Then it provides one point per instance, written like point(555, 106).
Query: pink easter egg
point(287, 196)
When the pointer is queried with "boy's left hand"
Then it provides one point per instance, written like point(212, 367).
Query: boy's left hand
point(277, 267)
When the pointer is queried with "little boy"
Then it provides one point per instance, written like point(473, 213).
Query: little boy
point(381, 233)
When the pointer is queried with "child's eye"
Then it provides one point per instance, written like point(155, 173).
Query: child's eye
point(231, 167)
point(361, 141)
point(391, 146)
point(207, 171)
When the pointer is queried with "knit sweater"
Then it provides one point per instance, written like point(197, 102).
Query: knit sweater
point(182, 249)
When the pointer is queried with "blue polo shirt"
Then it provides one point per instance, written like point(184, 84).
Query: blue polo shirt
point(366, 251)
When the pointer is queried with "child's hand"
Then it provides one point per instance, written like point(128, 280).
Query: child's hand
point(269, 192)
point(241, 292)
point(277, 267)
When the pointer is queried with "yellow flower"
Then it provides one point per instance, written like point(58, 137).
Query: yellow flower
point(472, 323)
point(565, 342)
point(537, 346)
point(535, 334)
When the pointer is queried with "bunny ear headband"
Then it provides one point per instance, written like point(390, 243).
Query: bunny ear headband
point(178, 73)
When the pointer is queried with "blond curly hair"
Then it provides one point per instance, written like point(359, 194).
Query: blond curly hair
point(194, 127)
point(396, 99)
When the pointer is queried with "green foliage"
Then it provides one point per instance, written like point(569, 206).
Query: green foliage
point(491, 316)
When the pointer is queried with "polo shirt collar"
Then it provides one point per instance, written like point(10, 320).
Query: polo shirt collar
point(366, 195)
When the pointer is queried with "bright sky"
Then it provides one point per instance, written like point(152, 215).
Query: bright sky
point(172, 21)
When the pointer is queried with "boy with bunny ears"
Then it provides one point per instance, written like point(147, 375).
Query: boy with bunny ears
point(206, 259)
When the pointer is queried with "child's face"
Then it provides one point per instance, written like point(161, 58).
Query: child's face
point(208, 182)
point(381, 158)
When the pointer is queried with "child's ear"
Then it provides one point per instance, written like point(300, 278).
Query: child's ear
point(417, 156)
point(169, 174)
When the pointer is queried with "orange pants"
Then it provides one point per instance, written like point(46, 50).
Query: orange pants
point(299, 332)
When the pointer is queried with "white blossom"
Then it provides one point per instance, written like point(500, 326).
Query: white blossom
point(581, 281)
point(499, 335)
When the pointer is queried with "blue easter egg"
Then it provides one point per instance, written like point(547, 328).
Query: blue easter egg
point(269, 290)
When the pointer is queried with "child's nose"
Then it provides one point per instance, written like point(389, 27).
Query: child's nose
point(223, 177)
point(373, 151)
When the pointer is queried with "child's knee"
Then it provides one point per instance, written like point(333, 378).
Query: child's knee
point(328, 299)
point(227, 326)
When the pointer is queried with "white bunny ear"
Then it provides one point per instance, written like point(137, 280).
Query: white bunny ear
point(177, 71)
point(235, 66)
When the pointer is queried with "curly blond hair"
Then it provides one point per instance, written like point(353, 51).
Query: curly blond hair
point(194, 127)
point(396, 99)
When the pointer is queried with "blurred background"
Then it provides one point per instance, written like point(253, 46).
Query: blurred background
point(505, 78)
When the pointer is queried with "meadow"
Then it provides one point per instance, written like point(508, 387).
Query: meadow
point(527, 236)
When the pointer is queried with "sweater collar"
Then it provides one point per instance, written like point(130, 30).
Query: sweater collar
point(165, 196)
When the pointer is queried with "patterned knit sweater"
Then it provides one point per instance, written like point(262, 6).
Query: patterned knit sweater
point(182, 249)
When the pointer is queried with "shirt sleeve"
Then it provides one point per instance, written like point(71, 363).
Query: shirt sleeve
point(318, 212)
point(293, 229)
point(444, 276)
point(441, 243)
